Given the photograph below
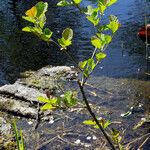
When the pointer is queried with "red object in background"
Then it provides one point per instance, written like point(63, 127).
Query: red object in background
point(143, 32)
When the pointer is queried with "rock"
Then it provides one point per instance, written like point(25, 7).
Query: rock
point(17, 107)
point(6, 136)
point(20, 98)
point(21, 91)
point(5, 128)
point(55, 71)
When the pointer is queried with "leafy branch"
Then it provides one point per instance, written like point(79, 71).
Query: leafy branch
point(100, 41)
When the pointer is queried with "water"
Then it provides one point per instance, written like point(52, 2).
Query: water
point(121, 73)
point(22, 51)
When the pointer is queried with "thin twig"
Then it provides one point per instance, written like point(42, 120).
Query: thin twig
point(45, 143)
point(93, 115)
point(73, 59)
point(137, 139)
point(37, 117)
point(143, 142)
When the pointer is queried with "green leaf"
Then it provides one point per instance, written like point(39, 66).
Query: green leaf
point(42, 21)
point(53, 101)
point(100, 56)
point(43, 99)
point(102, 7)
point(106, 39)
point(101, 28)
point(47, 106)
point(106, 124)
point(91, 63)
point(48, 33)
point(96, 42)
point(27, 29)
point(82, 64)
point(70, 99)
point(89, 122)
point(67, 34)
point(93, 20)
point(111, 2)
point(64, 43)
point(92, 15)
point(63, 3)
point(86, 72)
point(77, 1)
point(30, 19)
point(114, 23)
point(41, 8)
point(103, 123)
point(90, 10)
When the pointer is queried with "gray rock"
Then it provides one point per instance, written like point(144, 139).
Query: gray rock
point(5, 128)
point(21, 91)
point(53, 71)
point(20, 98)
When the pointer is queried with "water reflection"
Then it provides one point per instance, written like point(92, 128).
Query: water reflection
point(126, 55)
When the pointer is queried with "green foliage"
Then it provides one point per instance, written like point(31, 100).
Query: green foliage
point(67, 36)
point(117, 138)
point(63, 3)
point(77, 1)
point(68, 100)
point(18, 137)
point(93, 16)
point(100, 40)
point(100, 56)
point(82, 64)
point(103, 4)
point(36, 15)
point(114, 23)
point(96, 42)
point(104, 123)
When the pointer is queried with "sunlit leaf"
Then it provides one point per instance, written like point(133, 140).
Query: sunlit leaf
point(30, 19)
point(48, 33)
point(67, 34)
point(64, 43)
point(77, 1)
point(114, 23)
point(91, 63)
point(63, 3)
point(43, 99)
point(89, 122)
point(96, 42)
point(100, 56)
point(82, 64)
point(27, 29)
point(111, 2)
point(70, 99)
point(41, 8)
point(47, 106)
point(102, 7)
point(31, 12)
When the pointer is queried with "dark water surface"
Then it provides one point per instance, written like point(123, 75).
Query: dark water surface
point(22, 51)
point(121, 73)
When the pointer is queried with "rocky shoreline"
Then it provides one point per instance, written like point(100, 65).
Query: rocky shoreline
point(20, 99)
point(63, 129)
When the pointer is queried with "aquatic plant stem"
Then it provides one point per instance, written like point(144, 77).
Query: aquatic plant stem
point(93, 115)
